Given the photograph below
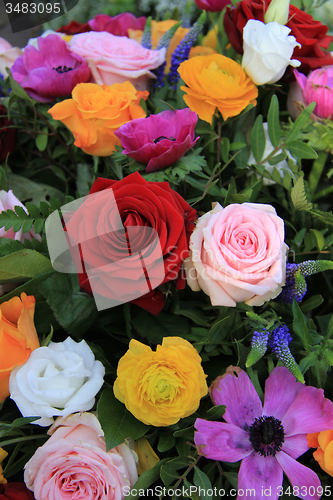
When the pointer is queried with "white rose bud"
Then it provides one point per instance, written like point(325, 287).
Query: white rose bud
point(267, 51)
point(57, 380)
point(277, 11)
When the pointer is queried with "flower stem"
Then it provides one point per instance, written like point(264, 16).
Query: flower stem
point(21, 439)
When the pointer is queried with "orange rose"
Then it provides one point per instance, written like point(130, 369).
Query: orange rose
point(323, 441)
point(18, 336)
point(158, 29)
point(216, 81)
point(95, 112)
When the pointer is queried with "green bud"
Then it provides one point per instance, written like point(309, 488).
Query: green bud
point(277, 11)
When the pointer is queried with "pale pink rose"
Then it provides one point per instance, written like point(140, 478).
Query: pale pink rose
point(8, 201)
point(238, 254)
point(73, 463)
point(116, 59)
point(8, 56)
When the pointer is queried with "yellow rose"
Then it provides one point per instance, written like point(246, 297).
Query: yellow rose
point(161, 387)
point(216, 81)
point(95, 112)
point(3, 455)
point(18, 336)
point(158, 29)
point(323, 441)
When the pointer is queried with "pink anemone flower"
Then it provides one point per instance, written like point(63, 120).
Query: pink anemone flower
point(267, 439)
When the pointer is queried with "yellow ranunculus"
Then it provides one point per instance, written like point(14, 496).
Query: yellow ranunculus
point(323, 441)
point(158, 29)
point(95, 112)
point(216, 81)
point(147, 456)
point(3, 455)
point(161, 387)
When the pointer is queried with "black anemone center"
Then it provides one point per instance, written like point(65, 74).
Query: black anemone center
point(62, 69)
point(267, 435)
point(161, 137)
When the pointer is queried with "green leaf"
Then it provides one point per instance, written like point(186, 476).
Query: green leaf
point(117, 422)
point(21, 212)
point(30, 287)
point(215, 413)
point(168, 474)
point(145, 480)
point(84, 178)
point(298, 196)
point(166, 442)
point(22, 265)
point(310, 360)
point(311, 303)
point(156, 327)
point(18, 90)
point(299, 326)
point(274, 128)
point(258, 139)
point(74, 310)
point(300, 149)
point(299, 123)
point(25, 189)
point(41, 139)
point(202, 481)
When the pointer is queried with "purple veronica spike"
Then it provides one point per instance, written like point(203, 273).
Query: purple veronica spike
point(50, 72)
point(267, 439)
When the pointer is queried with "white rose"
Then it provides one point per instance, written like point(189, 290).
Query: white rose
point(57, 380)
point(8, 55)
point(269, 148)
point(267, 51)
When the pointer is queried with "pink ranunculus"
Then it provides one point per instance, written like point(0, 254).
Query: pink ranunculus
point(8, 55)
point(73, 463)
point(212, 5)
point(318, 87)
point(117, 25)
point(7, 202)
point(159, 140)
point(238, 254)
point(116, 59)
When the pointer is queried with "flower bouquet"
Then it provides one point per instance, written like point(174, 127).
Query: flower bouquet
point(166, 325)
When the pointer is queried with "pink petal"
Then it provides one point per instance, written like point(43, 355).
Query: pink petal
point(310, 412)
point(220, 441)
point(299, 475)
point(278, 401)
point(260, 477)
point(240, 397)
point(295, 446)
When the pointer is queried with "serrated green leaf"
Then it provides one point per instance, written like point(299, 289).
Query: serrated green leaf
point(274, 128)
point(38, 225)
point(258, 139)
point(299, 123)
point(300, 149)
point(44, 208)
point(308, 361)
point(298, 196)
point(117, 422)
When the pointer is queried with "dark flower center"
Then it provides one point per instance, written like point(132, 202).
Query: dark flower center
point(62, 69)
point(267, 435)
point(163, 137)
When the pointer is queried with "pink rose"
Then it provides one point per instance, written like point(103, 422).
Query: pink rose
point(116, 59)
point(73, 463)
point(8, 56)
point(238, 254)
point(7, 202)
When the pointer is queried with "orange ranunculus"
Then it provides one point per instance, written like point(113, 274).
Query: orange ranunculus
point(158, 29)
point(323, 441)
point(210, 40)
point(201, 50)
point(95, 112)
point(18, 336)
point(216, 81)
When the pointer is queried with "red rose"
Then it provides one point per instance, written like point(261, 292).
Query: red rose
point(15, 491)
point(311, 34)
point(74, 27)
point(7, 135)
point(157, 222)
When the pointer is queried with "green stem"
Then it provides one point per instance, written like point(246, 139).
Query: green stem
point(316, 171)
point(22, 439)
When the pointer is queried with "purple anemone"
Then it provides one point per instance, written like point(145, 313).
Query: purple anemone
point(268, 438)
point(159, 140)
point(50, 72)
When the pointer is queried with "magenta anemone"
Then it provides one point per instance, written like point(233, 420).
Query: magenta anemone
point(50, 72)
point(267, 439)
point(159, 140)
